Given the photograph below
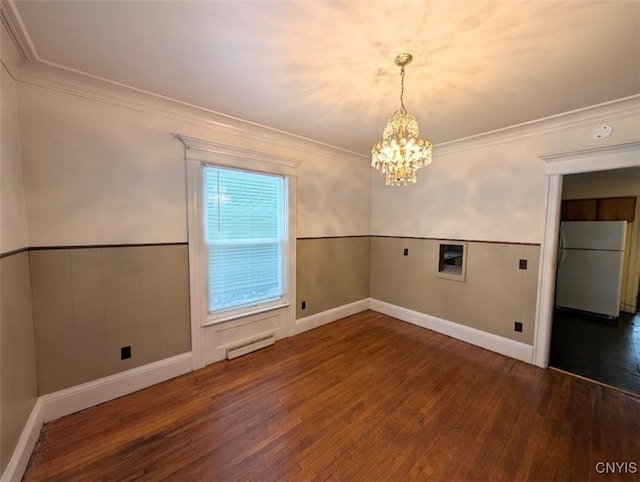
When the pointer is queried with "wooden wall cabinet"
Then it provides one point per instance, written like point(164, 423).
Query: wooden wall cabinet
point(601, 209)
point(580, 210)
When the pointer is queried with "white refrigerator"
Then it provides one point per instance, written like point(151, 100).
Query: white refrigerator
point(590, 264)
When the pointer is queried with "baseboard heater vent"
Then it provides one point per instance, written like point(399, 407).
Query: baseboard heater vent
point(248, 347)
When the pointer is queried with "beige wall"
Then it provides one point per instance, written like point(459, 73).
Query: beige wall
point(90, 302)
point(494, 295)
point(331, 272)
point(87, 170)
point(110, 172)
point(631, 273)
point(13, 216)
point(481, 191)
point(102, 173)
point(18, 371)
point(490, 192)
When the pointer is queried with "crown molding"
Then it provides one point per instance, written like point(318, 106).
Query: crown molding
point(79, 84)
point(585, 117)
point(618, 156)
point(17, 32)
point(40, 73)
point(632, 146)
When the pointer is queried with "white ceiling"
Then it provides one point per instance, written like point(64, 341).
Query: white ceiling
point(324, 69)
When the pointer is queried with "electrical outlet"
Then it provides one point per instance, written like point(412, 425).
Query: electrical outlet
point(304, 305)
point(517, 326)
point(406, 251)
point(125, 352)
point(523, 264)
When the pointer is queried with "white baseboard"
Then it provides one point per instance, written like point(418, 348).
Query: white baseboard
point(27, 441)
point(81, 397)
point(504, 346)
point(65, 402)
point(73, 399)
point(314, 321)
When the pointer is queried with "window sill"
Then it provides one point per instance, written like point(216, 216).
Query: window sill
point(450, 276)
point(245, 314)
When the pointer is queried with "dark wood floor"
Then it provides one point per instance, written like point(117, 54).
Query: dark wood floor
point(601, 350)
point(364, 398)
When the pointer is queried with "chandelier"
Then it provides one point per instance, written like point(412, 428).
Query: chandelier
point(402, 151)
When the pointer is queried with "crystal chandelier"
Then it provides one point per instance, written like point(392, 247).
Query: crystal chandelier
point(402, 151)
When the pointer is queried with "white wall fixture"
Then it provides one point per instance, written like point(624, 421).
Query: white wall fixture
point(602, 132)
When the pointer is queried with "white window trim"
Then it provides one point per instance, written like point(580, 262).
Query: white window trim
point(198, 150)
point(198, 153)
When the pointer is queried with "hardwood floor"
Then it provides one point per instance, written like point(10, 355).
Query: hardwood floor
point(365, 398)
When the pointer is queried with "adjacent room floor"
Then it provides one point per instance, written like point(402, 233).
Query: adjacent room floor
point(598, 349)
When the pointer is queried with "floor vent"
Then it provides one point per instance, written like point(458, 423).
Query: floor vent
point(250, 346)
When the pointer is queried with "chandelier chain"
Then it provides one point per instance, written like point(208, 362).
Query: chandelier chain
point(402, 108)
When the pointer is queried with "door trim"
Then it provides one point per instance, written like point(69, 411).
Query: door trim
point(557, 165)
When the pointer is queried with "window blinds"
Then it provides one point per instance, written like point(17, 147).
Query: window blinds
point(244, 232)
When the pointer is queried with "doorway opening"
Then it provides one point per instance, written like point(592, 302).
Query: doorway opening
point(595, 327)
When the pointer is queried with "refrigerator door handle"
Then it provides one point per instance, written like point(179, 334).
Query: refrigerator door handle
point(561, 253)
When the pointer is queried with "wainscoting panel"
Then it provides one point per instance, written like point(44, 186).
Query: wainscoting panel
point(18, 364)
point(90, 303)
point(494, 295)
point(331, 272)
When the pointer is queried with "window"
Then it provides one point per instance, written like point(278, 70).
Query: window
point(241, 218)
point(245, 237)
point(451, 261)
